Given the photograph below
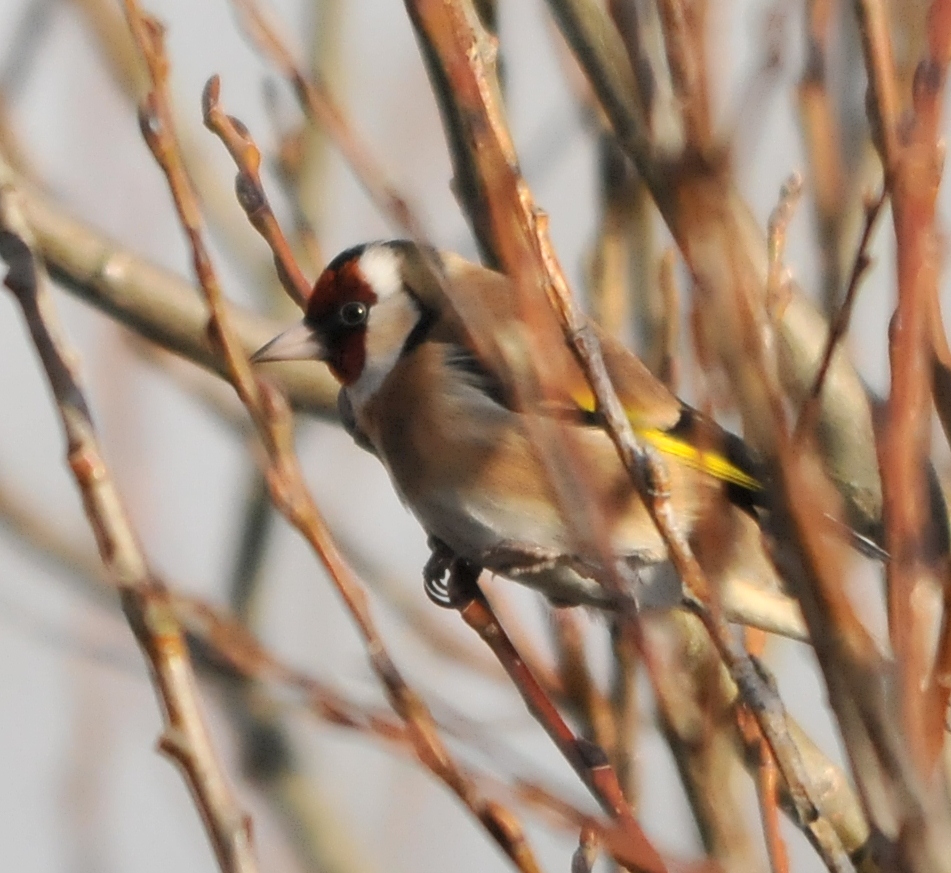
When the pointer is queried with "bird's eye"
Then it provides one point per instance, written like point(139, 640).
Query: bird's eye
point(353, 313)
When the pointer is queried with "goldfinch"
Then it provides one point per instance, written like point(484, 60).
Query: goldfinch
point(426, 393)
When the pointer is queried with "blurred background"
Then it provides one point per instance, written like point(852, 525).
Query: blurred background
point(83, 788)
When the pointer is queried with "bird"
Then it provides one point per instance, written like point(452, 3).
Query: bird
point(415, 337)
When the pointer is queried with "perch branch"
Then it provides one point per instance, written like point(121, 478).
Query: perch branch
point(629, 846)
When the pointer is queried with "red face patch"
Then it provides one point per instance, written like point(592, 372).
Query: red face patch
point(337, 296)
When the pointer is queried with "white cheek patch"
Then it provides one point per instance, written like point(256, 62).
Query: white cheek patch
point(390, 323)
point(380, 267)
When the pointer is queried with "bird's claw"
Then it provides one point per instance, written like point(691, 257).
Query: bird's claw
point(448, 580)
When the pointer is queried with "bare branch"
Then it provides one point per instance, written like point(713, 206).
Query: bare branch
point(144, 599)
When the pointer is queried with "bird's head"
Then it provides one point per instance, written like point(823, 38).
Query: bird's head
point(367, 308)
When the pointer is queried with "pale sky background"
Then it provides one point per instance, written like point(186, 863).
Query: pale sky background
point(82, 788)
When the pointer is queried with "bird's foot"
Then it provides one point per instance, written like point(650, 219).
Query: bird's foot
point(448, 580)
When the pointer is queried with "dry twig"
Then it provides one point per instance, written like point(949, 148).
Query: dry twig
point(651, 78)
point(250, 192)
point(843, 316)
point(222, 645)
point(626, 841)
point(725, 251)
point(144, 599)
point(319, 105)
point(288, 490)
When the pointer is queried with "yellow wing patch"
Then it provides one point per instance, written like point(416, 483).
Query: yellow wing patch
point(713, 463)
point(709, 462)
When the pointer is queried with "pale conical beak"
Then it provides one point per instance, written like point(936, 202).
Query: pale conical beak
point(297, 343)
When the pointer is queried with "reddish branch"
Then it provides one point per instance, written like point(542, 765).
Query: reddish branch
point(767, 791)
point(628, 844)
point(843, 316)
point(908, 138)
point(238, 145)
point(712, 227)
point(700, 203)
point(243, 150)
point(224, 645)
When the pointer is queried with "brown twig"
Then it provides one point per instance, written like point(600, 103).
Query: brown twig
point(222, 641)
point(703, 211)
point(939, 21)
point(144, 599)
point(319, 105)
point(840, 324)
point(221, 645)
point(767, 790)
point(587, 852)
point(288, 490)
point(725, 252)
point(269, 753)
point(857, 676)
point(510, 231)
point(250, 191)
point(231, 644)
point(651, 478)
point(767, 773)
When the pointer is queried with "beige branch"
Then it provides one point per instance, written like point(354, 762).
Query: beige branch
point(150, 300)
